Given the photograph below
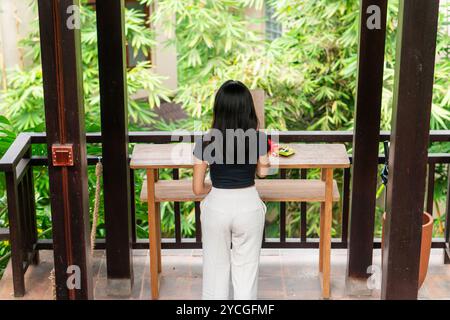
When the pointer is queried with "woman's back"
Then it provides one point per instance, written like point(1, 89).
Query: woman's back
point(232, 157)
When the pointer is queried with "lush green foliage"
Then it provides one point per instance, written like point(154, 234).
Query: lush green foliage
point(308, 74)
point(22, 102)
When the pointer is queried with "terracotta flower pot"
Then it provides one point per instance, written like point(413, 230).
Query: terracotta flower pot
point(425, 247)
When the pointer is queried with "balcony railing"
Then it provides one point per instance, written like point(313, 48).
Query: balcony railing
point(18, 162)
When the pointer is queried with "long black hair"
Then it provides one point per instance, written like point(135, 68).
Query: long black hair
point(234, 108)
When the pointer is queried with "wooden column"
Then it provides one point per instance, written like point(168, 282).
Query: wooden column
point(114, 118)
point(416, 49)
point(366, 138)
point(64, 113)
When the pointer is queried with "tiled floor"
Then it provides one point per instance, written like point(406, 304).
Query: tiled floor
point(284, 274)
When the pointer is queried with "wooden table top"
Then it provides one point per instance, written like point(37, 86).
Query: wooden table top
point(179, 155)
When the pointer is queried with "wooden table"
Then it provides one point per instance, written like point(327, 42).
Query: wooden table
point(326, 157)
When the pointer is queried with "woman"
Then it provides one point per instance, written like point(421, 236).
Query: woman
point(232, 212)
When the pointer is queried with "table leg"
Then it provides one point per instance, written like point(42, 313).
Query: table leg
point(152, 233)
point(158, 232)
point(326, 244)
point(158, 225)
point(322, 217)
point(321, 225)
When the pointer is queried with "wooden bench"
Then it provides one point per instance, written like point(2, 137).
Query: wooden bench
point(277, 190)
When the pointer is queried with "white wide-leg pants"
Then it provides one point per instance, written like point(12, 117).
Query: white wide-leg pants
point(231, 216)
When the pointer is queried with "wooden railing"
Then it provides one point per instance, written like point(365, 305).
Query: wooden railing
point(17, 164)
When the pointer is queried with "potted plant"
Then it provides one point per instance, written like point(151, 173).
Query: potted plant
point(425, 246)
point(427, 227)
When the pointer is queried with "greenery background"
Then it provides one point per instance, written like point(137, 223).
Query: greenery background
point(308, 74)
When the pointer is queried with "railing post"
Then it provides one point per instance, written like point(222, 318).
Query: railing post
point(64, 115)
point(30, 213)
point(15, 234)
point(447, 221)
point(177, 211)
point(366, 141)
point(133, 206)
point(282, 212)
point(303, 212)
point(198, 224)
point(345, 204)
point(430, 188)
point(114, 118)
point(413, 93)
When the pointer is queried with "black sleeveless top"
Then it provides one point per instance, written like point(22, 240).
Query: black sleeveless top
point(232, 162)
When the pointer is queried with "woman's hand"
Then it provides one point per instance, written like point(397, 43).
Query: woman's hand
point(263, 166)
point(206, 187)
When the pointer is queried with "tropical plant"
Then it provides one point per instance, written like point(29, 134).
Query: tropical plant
point(22, 102)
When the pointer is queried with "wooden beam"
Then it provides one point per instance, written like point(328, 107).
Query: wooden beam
point(116, 171)
point(271, 243)
point(413, 92)
point(284, 136)
point(64, 113)
point(364, 173)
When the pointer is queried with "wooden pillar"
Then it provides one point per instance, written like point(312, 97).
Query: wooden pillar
point(366, 137)
point(116, 171)
point(64, 113)
point(416, 49)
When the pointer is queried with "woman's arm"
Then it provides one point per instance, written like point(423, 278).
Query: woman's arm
point(198, 183)
point(263, 166)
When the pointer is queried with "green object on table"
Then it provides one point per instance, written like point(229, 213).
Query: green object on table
point(286, 151)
